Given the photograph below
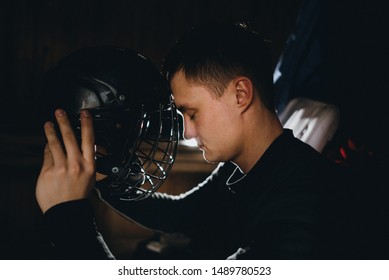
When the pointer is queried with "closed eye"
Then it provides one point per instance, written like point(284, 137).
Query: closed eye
point(184, 111)
point(192, 117)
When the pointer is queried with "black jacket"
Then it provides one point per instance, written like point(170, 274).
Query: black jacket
point(289, 206)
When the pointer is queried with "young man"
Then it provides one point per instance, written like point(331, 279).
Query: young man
point(268, 198)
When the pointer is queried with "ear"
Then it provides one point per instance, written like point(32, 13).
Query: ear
point(244, 92)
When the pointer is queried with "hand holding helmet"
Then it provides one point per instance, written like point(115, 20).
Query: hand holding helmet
point(68, 173)
point(134, 119)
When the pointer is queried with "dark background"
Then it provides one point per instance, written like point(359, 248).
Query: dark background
point(34, 35)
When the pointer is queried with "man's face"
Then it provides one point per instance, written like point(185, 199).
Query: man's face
point(212, 121)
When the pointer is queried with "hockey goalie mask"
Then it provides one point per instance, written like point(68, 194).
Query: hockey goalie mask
point(134, 117)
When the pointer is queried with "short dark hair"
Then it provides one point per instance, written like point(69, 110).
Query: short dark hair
point(214, 54)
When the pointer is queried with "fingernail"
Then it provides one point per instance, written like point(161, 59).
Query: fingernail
point(85, 113)
point(48, 124)
point(60, 113)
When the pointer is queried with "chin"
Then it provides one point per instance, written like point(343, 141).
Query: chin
point(209, 159)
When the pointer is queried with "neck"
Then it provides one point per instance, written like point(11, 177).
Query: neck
point(261, 128)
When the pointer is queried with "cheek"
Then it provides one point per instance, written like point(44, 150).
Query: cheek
point(217, 123)
point(220, 125)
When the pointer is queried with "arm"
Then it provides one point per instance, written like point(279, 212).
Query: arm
point(64, 183)
point(168, 213)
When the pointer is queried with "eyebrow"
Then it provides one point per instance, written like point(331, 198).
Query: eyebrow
point(184, 107)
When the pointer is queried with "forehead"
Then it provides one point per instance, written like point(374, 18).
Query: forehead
point(187, 93)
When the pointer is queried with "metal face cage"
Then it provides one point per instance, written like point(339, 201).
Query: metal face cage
point(146, 163)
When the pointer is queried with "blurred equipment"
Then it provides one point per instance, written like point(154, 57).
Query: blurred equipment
point(311, 121)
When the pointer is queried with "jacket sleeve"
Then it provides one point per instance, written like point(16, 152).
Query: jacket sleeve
point(72, 231)
point(168, 213)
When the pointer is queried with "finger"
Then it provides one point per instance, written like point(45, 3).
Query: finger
point(68, 136)
point(53, 143)
point(87, 136)
point(47, 158)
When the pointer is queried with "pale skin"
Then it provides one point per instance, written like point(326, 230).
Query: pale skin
point(233, 127)
point(67, 173)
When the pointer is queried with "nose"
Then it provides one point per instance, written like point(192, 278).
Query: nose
point(189, 129)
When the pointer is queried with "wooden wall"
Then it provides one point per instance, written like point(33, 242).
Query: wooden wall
point(36, 34)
